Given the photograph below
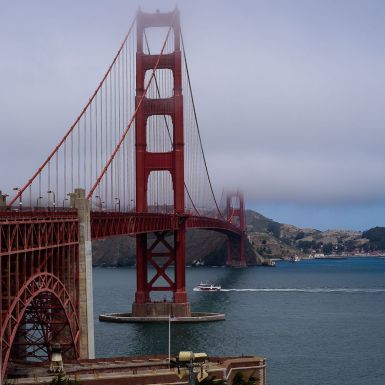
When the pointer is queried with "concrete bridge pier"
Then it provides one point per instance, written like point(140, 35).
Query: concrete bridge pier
point(86, 314)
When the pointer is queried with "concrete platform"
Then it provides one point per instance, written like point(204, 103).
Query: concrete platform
point(128, 317)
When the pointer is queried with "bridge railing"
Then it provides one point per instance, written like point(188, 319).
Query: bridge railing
point(28, 214)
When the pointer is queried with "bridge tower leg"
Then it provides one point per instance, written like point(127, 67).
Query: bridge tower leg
point(236, 214)
point(160, 250)
point(86, 316)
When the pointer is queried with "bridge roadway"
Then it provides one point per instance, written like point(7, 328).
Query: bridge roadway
point(105, 224)
point(110, 223)
point(22, 231)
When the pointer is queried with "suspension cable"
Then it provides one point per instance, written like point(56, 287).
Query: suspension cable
point(30, 181)
point(166, 122)
point(130, 122)
point(196, 122)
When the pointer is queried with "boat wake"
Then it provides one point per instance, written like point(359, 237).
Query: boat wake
point(312, 290)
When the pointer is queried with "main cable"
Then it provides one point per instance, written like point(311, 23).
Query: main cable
point(166, 122)
point(196, 122)
point(112, 157)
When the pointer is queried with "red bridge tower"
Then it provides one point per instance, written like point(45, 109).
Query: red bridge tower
point(236, 214)
point(158, 251)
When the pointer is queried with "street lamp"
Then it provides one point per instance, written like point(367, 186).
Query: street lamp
point(191, 365)
point(54, 198)
point(56, 364)
point(100, 202)
point(117, 203)
point(3, 199)
point(20, 197)
point(37, 201)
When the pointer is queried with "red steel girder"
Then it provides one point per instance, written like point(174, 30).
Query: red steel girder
point(154, 258)
point(105, 224)
point(37, 285)
point(39, 264)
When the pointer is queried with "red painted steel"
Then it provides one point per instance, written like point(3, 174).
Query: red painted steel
point(235, 208)
point(106, 224)
point(39, 284)
point(147, 162)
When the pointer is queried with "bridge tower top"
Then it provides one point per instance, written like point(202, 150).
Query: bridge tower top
point(236, 215)
point(171, 161)
point(235, 205)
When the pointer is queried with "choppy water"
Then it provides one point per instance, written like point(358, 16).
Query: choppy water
point(316, 322)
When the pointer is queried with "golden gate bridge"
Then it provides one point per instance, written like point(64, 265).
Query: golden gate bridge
point(131, 164)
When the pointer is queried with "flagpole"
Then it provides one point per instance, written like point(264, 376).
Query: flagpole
point(169, 341)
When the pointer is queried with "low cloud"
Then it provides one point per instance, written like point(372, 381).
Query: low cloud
point(290, 99)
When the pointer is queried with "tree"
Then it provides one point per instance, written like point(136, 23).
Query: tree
point(376, 237)
point(299, 235)
point(374, 234)
point(306, 245)
point(327, 248)
point(62, 380)
point(211, 381)
point(274, 228)
point(239, 380)
point(350, 245)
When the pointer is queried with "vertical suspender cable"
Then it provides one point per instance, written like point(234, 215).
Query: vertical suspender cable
point(168, 128)
point(70, 130)
point(197, 125)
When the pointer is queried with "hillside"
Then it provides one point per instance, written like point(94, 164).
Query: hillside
point(265, 239)
point(202, 248)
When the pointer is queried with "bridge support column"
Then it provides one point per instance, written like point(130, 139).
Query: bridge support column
point(161, 250)
point(160, 254)
point(86, 314)
point(236, 215)
point(181, 304)
point(141, 295)
point(229, 259)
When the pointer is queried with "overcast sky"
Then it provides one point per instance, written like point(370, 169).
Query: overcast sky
point(290, 95)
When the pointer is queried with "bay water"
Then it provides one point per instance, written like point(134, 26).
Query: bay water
point(315, 321)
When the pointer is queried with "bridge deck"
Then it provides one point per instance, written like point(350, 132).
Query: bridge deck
point(104, 224)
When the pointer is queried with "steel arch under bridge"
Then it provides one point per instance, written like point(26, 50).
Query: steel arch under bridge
point(39, 293)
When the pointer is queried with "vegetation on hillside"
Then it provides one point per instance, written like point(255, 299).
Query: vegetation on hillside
point(376, 237)
point(61, 379)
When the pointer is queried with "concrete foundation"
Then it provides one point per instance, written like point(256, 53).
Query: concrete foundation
point(130, 318)
point(161, 309)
